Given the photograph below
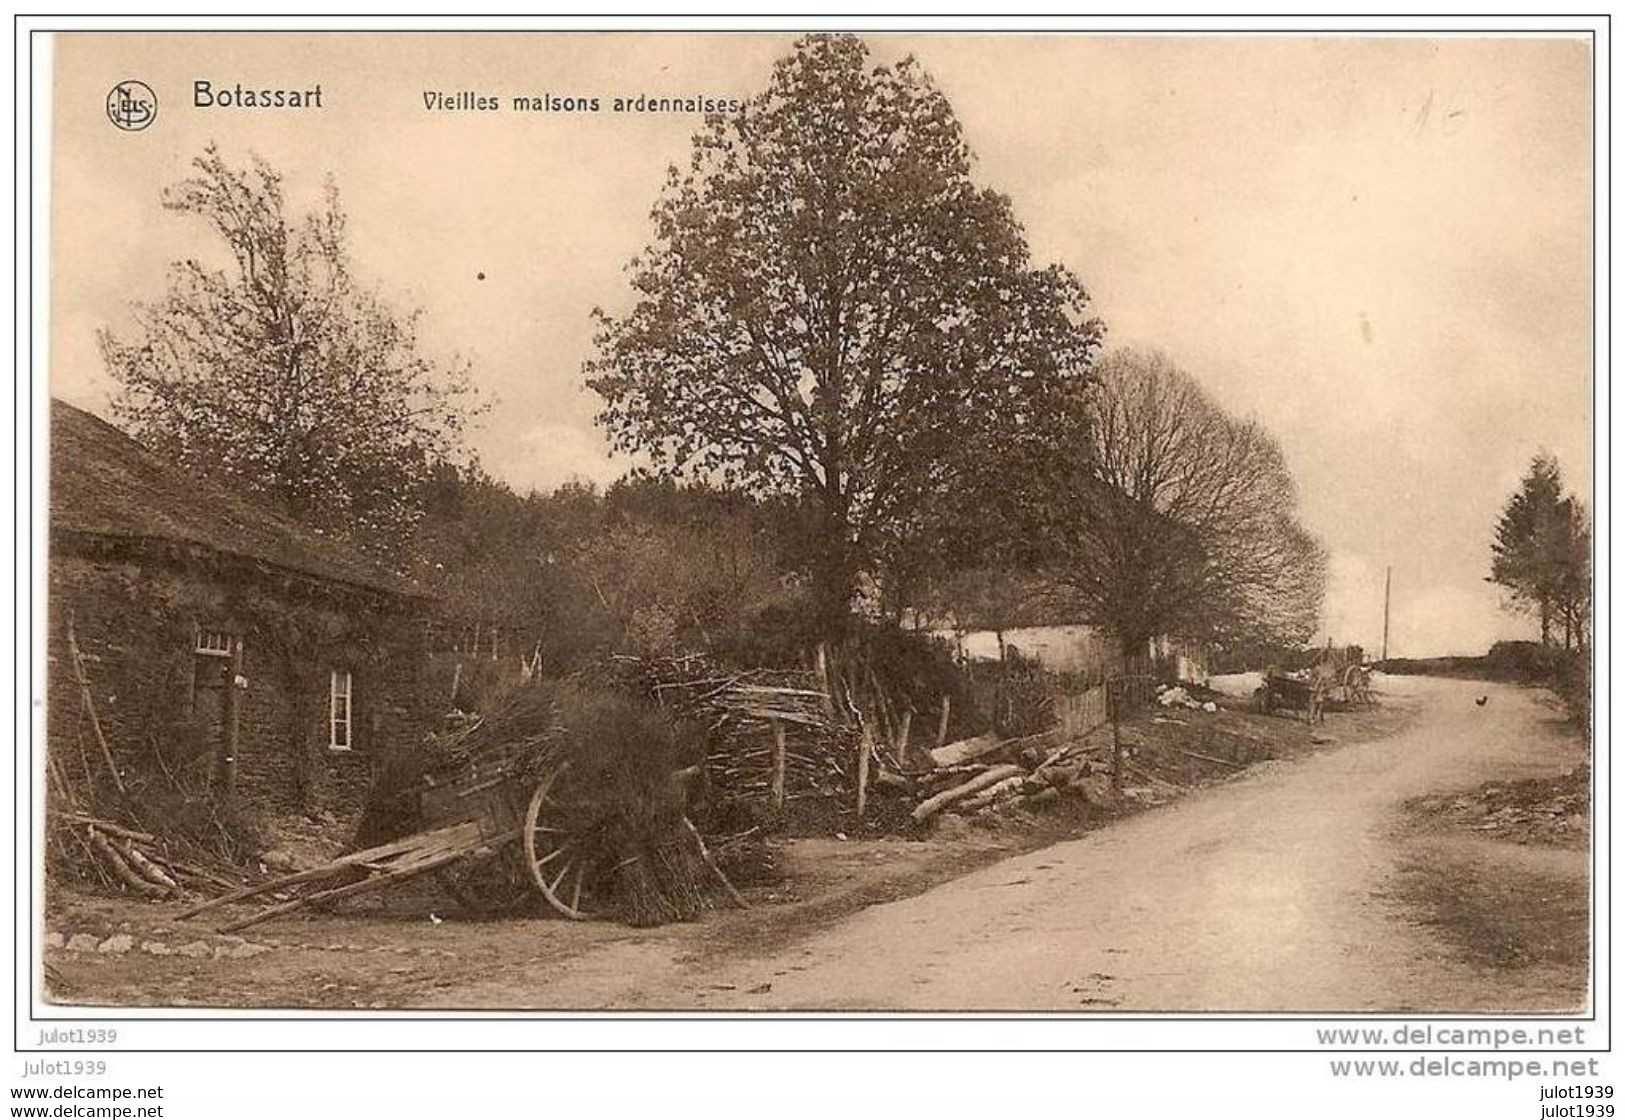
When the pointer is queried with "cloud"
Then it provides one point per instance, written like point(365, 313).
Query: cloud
point(556, 452)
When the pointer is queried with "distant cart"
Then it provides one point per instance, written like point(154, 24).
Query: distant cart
point(1283, 692)
point(1356, 686)
point(1326, 685)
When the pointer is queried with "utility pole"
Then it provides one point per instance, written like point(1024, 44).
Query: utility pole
point(1387, 590)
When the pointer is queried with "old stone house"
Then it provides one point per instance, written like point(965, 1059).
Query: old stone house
point(224, 646)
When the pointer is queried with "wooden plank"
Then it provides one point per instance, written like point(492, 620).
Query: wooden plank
point(775, 690)
point(716, 868)
point(1212, 758)
point(1117, 751)
point(226, 759)
point(769, 714)
point(367, 885)
point(465, 830)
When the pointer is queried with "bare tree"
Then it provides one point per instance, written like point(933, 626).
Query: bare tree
point(280, 371)
point(1178, 519)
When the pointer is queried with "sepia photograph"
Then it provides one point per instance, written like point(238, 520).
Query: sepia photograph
point(818, 521)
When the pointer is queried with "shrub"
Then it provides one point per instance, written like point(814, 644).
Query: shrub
point(1528, 662)
point(1572, 683)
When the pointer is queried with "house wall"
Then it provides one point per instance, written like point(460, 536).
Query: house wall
point(135, 623)
point(1070, 648)
point(1182, 660)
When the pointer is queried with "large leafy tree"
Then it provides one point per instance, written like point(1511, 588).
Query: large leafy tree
point(1178, 519)
point(1542, 552)
point(833, 310)
point(281, 371)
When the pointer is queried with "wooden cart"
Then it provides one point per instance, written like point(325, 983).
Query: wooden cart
point(498, 826)
point(507, 799)
point(1356, 686)
point(1283, 692)
point(1340, 687)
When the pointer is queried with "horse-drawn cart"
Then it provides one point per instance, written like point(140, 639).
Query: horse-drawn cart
point(1331, 682)
point(1355, 687)
point(1282, 692)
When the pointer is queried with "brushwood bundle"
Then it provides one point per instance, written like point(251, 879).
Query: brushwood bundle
point(594, 774)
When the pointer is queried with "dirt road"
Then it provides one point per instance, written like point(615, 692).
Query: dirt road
point(1294, 887)
point(1312, 884)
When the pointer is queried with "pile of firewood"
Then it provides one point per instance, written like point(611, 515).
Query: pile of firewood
point(992, 774)
point(125, 858)
point(82, 844)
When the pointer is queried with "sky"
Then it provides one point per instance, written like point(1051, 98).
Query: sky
point(1379, 247)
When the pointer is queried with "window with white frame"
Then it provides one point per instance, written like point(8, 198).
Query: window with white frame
point(212, 643)
point(338, 710)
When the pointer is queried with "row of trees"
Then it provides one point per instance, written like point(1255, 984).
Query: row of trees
point(839, 345)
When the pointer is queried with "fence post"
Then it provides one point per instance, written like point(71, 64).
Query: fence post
point(824, 681)
point(902, 736)
point(1117, 740)
point(942, 723)
point(863, 772)
point(232, 719)
point(778, 766)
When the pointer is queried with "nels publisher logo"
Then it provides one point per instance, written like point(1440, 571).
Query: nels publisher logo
point(132, 105)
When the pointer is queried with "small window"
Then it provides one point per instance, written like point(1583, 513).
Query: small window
point(338, 710)
point(213, 643)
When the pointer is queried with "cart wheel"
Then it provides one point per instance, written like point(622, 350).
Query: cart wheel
point(1356, 686)
point(559, 862)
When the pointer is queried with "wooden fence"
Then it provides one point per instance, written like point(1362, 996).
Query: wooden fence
point(1118, 697)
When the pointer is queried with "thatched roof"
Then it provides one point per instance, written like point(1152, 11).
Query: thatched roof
point(107, 487)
